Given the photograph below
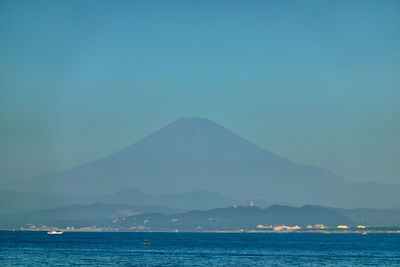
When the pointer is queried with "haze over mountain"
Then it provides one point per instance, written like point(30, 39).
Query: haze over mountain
point(197, 154)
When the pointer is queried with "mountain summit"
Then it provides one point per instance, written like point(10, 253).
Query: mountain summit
point(197, 154)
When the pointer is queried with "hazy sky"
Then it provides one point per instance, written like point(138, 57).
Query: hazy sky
point(317, 82)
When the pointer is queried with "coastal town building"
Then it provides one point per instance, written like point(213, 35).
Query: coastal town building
point(260, 226)
point(286, 228)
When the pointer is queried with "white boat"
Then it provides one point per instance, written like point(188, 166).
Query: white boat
point(53, 232)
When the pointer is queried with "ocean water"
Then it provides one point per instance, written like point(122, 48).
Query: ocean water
point(198, 249)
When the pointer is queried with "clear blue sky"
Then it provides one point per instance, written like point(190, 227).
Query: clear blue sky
point(317, 82)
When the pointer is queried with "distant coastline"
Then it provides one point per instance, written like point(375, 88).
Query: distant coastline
point(381, 230)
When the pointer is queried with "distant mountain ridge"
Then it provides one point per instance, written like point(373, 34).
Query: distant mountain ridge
point(148, 218)
point(235, 218)
point(78, 215)
point(193, 154)
point(15, 202)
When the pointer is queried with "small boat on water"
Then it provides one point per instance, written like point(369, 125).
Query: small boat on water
point(364, 233)
point(145, 243)
point(54, 232)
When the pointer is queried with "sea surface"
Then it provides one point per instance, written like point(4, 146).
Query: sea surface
point(198, 249)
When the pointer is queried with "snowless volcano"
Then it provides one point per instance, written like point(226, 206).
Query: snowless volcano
point(198, 154)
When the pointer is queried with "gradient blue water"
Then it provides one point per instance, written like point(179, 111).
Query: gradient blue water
point(198, 249)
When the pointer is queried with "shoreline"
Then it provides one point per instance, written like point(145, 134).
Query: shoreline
point(366, 232)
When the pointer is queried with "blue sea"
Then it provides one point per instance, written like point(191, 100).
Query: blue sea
point(198, 249)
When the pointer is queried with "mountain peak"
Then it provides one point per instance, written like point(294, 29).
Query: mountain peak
point(190, 123)
point(197, 139)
